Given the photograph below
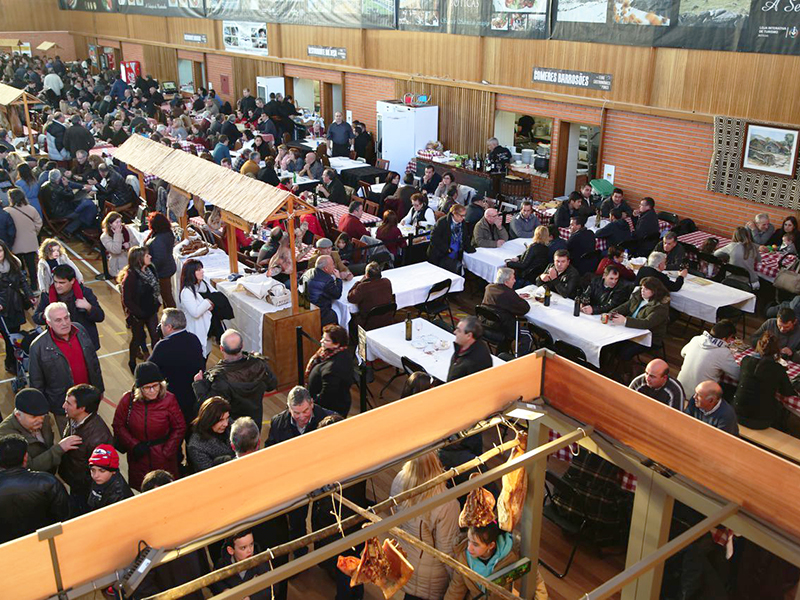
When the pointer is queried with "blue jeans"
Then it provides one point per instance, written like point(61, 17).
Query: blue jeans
point(84, 215)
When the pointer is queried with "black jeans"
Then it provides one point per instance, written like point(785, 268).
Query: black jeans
point(29, 262)
point(138, 336)
point(11, 361)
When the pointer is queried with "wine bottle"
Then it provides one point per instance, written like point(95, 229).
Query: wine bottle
point(409, 327)
point(576, 311)
point(547, 294)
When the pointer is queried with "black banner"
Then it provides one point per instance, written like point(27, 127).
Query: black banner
point(579, 79)
point(163, 8)
point(503, 18)
point(359, 14)
point(88, 5)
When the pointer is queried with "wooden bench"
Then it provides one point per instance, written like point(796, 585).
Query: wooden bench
point(773, 440)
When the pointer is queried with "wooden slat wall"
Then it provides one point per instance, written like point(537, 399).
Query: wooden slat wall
point(161, 62)
point(147, 28)
point(177, 26)
point(296, 38)
point(247, 69)
point(466, 117)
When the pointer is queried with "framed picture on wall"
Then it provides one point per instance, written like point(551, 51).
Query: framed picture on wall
point(771, 150)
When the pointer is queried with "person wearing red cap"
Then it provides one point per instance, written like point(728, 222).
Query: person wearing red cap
point(108, 485)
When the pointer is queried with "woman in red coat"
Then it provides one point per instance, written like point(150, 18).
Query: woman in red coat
point(149, 425)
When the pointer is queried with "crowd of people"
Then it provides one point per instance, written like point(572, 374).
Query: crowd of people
point(183, 415)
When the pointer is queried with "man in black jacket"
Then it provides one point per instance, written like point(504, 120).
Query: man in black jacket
point(28, 500)
point(605, 293)
point(581, 241)
point(85, 309)
point(470, 352)
point(323, 286)
point(676, 255)
point(112, 187)
point(615, 201)
point(77, 137)
point(240, 377)
point(332, 188)
point(646, 230)
point(561, 277)
point(501, 297)
point(617, 231)
point(179, 355)
point(301, 416)
point(237, 548)
point(655, 267)
point(230, 130)
point(571, 207)
point(247, 102)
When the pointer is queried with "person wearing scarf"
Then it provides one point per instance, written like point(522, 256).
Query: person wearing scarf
point(141, 298)
point(420, 213)
point(329, 371)
point(116, 240)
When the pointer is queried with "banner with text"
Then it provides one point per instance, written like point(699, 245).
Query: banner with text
point(88, 5)
point(164, 8)
point(363, 14)
point(245, 37)
point(498, 18)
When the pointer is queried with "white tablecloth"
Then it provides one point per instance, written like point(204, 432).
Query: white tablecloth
point(248, 313)
point(138, 238)
point(410, 286)
point(342, 163)
point(484, 262)
point(301, 179)
point(216, 265)
point(585, 331)
point(389, 345)
point(702, 297)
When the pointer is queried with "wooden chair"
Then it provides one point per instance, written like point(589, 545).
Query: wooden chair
point(365, 188)
point(359, 251)
point(151, 197)
point(55, 226)
point(493, 333)
point(128, 211)
point(382, 163)
point(327, 222)
point(371, 207)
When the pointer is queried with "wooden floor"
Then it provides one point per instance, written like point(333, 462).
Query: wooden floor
point(588, 570)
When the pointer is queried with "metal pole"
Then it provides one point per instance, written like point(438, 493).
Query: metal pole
point(301, 373)
point(313, 558)
point(617, 582)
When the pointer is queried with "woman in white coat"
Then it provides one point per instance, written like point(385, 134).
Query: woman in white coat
point(196, 308)
point(438, 528)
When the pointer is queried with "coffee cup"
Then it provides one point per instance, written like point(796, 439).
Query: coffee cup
point(604, 318)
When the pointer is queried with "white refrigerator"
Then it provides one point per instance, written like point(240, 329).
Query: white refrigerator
point(404, 129)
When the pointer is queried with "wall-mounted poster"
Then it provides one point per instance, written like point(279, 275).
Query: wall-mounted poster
point(246, 37)
point(504, 18)
point(368, 14)
point(88, 5)
point(165, 8)
point(771, 150)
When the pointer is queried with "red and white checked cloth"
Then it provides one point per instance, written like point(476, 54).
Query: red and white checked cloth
point(697, 238)
point(768, 266)
point(792, 370)
point(339, 210)
point(602, 243)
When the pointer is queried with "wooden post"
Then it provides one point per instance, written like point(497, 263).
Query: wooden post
point(531, 524)
point(28, 120)
point(233, 250)
point(293, 276)
point(142, 193)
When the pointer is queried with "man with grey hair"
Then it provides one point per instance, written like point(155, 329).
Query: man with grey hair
point(656, 264)
point(179, 355)
point(245, 436)
point(470, 352)
point(64, 204)
point(761, 229)
point(323, 286)
point(230, 130)
point(499, 156)
point(241, 377)
point(301, 416)
point(502, 299)
point(61, 357)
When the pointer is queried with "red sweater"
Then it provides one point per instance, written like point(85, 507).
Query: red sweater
point(624, 271)
point(352, 226)
point(71, 349)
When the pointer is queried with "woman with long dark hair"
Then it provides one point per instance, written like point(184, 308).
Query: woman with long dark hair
point(29, 186)
point(789, 226)
point(389, 233)
point(390, 185)
point(329, 371)
point(116, 241)
point(160, 244)
point(141, 298)
point(210, 443)
point(15, 298)
point(197, 308)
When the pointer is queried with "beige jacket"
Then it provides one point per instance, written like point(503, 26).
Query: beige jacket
point(28, 223)
point(438, 528)
point(117, 255)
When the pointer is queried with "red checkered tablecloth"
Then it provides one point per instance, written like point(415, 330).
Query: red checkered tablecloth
point(698, 237)
point(339, 210)
point(792, 369)
point(767, 266)
point(602, 243)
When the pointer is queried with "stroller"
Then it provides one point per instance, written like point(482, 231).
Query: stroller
point(20, 346)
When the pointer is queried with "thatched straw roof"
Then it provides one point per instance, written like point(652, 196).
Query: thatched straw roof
point(10, 95)
point(45, 46)
point(10, 43)
point(250, 199)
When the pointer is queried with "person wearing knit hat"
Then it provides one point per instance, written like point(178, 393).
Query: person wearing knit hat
point(147, 373)
point(108, 485)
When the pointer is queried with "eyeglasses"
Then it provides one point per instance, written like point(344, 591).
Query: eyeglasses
point(151, 387)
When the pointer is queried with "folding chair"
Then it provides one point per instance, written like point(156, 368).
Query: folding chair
point(436, 301)
point(492, 327)
point(382, 163)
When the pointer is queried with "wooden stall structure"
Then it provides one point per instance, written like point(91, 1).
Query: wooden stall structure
point(732, 482)
point(45, 47)
point(10, 98)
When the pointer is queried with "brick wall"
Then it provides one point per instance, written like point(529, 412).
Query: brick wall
point(361, 94)
point(135, 52)
point(217, 65)
point(62, 38)
point(668, 160)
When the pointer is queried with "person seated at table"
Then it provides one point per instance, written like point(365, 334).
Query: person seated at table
point(761, 377)
point(571, 207)
point(789, 227)
point(489, 231)
point(322, 154)
point(280, 266)
point(647, 228)
point(581, 241)
point(430, 180)
point(64, 203)
point(475, 210)
point(470, 352)
point(332, 188)
point(604, 293)
point(390, 186)
point(614, 257)
point(449, 241)
point(329, 371)
point(742, 252)
point(324, 247)
point(221, 150)
point(243, 241)
point(312, 168)
point(501, 298)
point(295, 162)
point(647, 308)
point(787, 244)
point(615, 201)
point(656, 264)
point(761, 230)
point(450, 198)
point(268, 250)
point(389, 233)
point(323, 285)
point(351, 222)
point(657, 384)
point(251, 165)
point(560, 276)
point(370, 291)
point(395, 204)
point(530, 264)
point(556, 241)
point(525, 222)
point(708, 406)
point(267, 173)
point(420, 214)
point(676, 255)
point(709, 356)
point(785, 329)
